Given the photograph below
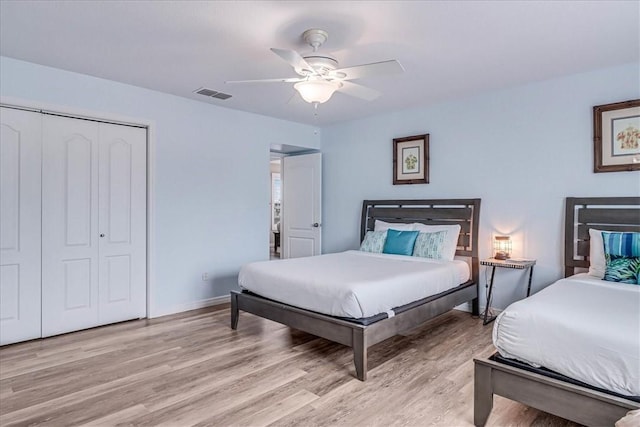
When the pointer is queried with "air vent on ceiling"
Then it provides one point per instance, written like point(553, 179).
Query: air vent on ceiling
point(212, 93)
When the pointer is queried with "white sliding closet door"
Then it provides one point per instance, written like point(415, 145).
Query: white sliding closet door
point(94, 224)
point(122, 223)
point(69, 225)
point(20, 161)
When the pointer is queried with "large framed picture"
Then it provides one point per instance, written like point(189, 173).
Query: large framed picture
point(411, 160)
point(616, 136)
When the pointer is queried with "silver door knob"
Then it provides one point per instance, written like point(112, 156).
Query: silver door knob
point(315, 224)
point(101, 234)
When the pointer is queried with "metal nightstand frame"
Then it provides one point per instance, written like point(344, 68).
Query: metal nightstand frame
point(518, 265)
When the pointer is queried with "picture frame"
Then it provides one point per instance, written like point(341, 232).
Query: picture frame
point(616, 136)
point(411, 160)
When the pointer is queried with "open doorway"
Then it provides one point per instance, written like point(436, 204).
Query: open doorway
point(275, 248)
point(294, 229)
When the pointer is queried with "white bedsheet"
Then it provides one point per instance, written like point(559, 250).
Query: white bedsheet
point(582, 327)
point(353, 283)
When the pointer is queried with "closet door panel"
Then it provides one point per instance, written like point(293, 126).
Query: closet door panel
point(20, 213)
point(69, 225)
point(122, 222)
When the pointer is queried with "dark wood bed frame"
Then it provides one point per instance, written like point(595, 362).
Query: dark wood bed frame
point(573, 402)
point(464, 212)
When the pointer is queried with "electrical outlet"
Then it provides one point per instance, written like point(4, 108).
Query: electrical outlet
point(205, 277)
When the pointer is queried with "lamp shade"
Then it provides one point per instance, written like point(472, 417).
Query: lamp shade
point(316, 91)
point(502, 247)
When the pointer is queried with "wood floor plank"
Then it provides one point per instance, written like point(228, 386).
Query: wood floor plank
point(54, 386)
point(193, 369)
point(119, 417)
point(252, 416)
point(209, 401)
point(53, 409)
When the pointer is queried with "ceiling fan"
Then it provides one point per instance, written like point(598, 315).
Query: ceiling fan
point(319, 75)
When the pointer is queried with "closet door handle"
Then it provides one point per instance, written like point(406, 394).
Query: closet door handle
point(101, 234)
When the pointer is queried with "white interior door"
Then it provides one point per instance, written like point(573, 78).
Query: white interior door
point(122, 223)
point(69, 225)
point(20, 160)
point(301, 205)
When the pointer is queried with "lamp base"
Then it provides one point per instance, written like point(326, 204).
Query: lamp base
point(501, 255)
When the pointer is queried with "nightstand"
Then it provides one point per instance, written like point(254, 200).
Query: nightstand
point(507, 263)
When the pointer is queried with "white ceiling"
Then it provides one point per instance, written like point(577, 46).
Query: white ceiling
point(449, 49)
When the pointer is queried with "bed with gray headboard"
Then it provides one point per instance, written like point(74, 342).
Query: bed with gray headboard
point(538, 387)
point(357, 335)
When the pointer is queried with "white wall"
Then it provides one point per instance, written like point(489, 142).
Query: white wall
point(522, 150)
point(212, 176)
point(212, 213)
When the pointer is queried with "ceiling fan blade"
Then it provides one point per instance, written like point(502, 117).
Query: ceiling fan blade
point(359, 91)
point(369, 70)
point(283, 80)
point(294, 59)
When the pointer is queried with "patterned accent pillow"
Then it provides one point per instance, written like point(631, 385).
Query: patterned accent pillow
point(623, 269)
point(374, 241)
point(622, 255)
point(430, 245)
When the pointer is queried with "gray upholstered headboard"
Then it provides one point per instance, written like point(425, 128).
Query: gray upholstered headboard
point(602, 213)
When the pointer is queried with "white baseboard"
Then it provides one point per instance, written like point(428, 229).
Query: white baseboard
point(467, 307)
point(494, 310)
point(463, 307)
point(193, 305)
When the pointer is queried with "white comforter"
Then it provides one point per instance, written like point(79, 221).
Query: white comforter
point(353, 283)
point(582, 327)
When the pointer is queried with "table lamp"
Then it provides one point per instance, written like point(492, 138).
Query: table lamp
point(502, 247)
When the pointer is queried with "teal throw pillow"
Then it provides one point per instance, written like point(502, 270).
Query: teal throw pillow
point(429, 245)
point(400, 242)
point(373, 241)
point(622, 256)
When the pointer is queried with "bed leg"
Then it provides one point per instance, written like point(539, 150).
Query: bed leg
point(482, 395)
point(475, 307)
point(234, 311)
point(360, 353)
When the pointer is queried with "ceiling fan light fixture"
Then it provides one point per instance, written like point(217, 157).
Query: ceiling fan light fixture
point(316, 91)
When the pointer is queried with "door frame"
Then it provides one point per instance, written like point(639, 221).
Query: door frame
point(150, 126)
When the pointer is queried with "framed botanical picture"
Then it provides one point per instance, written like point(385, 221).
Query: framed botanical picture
point(411, 160)
point(616, 136)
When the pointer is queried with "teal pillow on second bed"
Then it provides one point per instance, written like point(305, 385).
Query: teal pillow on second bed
point(400, 242)
point(622, 255)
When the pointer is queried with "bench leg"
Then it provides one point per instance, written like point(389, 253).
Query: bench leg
point(482, 395)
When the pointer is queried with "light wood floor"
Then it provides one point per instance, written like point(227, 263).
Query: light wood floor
point(192, 369)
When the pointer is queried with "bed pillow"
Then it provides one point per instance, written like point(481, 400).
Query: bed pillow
point(451, 240)
point(373, 241)
point(384, 226)
point(430, 245)
point(622, 255)
point(400, 242)
point(597, 263)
